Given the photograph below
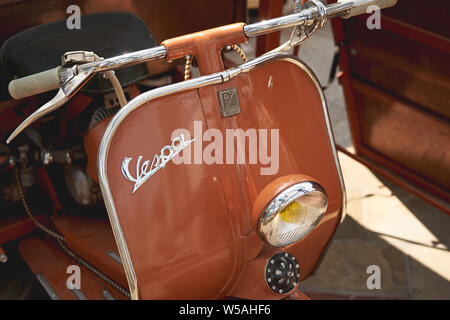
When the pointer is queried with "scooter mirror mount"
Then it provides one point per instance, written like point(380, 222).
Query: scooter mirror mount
point(317, 14)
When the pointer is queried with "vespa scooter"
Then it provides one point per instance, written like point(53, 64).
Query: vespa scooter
point(227, 184)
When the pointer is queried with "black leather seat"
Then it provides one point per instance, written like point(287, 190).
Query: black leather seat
point(107, 34)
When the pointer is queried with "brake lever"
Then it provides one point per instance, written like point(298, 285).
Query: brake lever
point(50, 106)
point(71, 80)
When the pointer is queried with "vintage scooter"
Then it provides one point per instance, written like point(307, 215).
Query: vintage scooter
point(194, 213)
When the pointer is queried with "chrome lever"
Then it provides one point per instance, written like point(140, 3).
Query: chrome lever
point(319, 14)
point(53, 104)
point(315, 19)
point(70, 83)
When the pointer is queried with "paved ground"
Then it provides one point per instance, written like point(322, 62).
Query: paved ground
point(388, 227)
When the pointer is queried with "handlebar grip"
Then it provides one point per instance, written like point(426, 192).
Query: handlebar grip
point(360, 6)
point(34, 84)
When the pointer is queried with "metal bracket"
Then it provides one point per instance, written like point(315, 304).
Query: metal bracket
point(77, 57)
point(319, 14)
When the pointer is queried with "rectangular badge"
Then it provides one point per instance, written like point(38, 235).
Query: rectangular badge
point(229, 102)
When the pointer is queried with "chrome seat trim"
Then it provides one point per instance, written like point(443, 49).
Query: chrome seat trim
point(47, 287)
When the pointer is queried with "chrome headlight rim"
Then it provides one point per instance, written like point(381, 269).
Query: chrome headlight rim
point(285, 198)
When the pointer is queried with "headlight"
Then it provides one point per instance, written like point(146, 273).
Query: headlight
point(293, 213)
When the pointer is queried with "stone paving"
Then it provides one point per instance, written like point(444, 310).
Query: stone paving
point(385, 226)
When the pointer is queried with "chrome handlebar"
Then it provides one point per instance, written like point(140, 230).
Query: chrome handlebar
point(309, 19)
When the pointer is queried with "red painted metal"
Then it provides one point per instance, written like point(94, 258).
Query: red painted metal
point(208, 207)
point(412, 32)
point(268, 9)
point(47, 185)
point(13, 228)
point(45, 257)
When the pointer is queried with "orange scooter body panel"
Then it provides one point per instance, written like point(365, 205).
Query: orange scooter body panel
point(189, 228)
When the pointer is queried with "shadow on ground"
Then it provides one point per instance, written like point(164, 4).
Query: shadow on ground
point(388, 227)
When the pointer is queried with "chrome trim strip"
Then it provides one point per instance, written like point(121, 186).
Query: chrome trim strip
point(47, 287)
point(164, 91)
point(107, 295)
point(313, 12)
point(124, 60)
point(102, 163)
point(303, 18)
point(274, 55)
point(338, 9)
point(330, 130)
point(114, 256)
point(79, 294)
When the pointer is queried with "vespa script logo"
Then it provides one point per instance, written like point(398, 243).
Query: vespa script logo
point(144, 171)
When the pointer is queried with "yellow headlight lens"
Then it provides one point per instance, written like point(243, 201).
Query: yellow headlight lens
point(293, 214)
